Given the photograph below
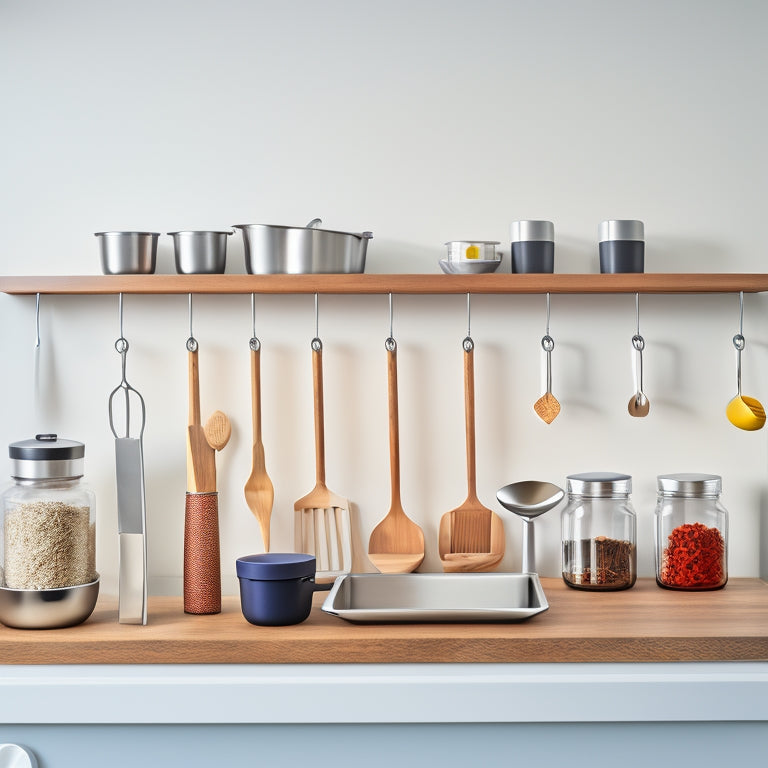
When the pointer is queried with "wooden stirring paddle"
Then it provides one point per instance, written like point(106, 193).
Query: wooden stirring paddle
point(396, 544)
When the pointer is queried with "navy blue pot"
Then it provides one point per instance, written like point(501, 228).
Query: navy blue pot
point(276, 589)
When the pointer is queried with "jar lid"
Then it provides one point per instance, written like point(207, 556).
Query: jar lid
point(621, 229)
point(533, 230)
point(689, 484)
point(46, 457)
point(599, 484)
point(272, 566)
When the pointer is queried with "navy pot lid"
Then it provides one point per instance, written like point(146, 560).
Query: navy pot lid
point(272, 566)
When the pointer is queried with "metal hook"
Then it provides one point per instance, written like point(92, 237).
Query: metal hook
point(390, 344)
point(469, 315)
point(317, 345)
point(637, 313)
point(254, 342)
point(547, 332)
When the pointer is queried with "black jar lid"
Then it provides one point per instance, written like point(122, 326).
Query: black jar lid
point(46, 457)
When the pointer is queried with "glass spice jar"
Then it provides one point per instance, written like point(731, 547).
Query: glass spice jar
point(49, 529)
point(691, 532)
point(599, 532)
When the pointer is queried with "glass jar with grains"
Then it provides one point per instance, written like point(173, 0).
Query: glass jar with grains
point(598, 532)
point(49, 529)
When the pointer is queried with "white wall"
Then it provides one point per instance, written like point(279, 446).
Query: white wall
point(423, 122)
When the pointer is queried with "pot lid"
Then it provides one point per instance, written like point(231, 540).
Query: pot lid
point(272, 566)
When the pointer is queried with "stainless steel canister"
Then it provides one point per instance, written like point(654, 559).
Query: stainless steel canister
point(533, 246)
point(128, 253)
point(275, 249)
point(621, 245)
point(200, 252)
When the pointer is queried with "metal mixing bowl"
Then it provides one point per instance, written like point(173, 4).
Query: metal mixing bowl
point(128, 253)
point(274, 249)
point(200, 252)
point(48, 608)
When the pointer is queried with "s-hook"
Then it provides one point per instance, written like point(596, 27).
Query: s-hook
point(191, 341)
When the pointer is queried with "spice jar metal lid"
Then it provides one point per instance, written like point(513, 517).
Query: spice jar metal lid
point(621, 229)
point(599, 484)
point(46, 457)
point(533, 230)
point(689, 484)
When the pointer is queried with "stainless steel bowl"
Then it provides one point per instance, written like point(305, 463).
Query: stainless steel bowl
point(200, 252)
point(476, 267)
point(128, 253)
point(274, 249)
point(48, 608)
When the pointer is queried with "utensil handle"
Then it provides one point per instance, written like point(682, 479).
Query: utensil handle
point(394, 426)
point(317, 380)
point(256, 394)
point(528, 564)
point(469, 418)
point(202, 562)
point(194, 388)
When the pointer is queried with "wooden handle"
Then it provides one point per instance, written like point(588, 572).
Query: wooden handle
point(256, 394)
point(194, 389)
point(469, 418)
point(202, 561)
point(394, 427)
point(317, 380)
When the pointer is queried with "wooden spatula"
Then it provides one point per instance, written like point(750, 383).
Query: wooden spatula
point(397, 543)
point(471, 537)
point(259, 491)
point(322, 523)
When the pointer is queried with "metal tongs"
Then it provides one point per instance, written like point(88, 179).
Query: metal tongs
point(131, 500)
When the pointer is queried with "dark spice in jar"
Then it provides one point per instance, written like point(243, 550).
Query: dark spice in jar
point(605, 563)
point(693, 558)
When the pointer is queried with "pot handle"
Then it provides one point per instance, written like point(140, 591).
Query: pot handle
point(314, 224)
point(321, 587)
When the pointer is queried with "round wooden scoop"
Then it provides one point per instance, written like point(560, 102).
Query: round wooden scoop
point(218, 430)
point(397, 543)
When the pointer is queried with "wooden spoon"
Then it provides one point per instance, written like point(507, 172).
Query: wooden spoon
point(218, 430)
point(471, 537)
point(259, 492)
point(396, 544)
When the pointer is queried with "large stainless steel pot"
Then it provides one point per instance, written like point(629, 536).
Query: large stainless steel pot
point(274, 249)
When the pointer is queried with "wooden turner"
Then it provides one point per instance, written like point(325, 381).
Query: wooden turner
point(471, 537)
point(321, 518)
point(397, 543)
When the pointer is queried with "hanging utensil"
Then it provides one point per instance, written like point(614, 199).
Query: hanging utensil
point(471, 537)
point(529, 499)
point(202, 566)
point(321, 518)
point(259, 492)
point(396, 544)
point(639, 404)
point(547, 407)
point(131, 497)
point(743, 412)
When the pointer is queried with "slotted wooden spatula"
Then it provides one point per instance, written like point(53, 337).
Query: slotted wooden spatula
point(471, 537)
point(321, 518)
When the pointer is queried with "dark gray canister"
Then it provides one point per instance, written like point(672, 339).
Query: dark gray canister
point(533, 246)
point(622, 245)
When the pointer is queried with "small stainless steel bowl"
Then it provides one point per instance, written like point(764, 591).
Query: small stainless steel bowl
point(477, 267)
point(200, 252)
point(48, 608)
point(128, 253)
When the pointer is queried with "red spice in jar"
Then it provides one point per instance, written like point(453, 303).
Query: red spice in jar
point(693, 558)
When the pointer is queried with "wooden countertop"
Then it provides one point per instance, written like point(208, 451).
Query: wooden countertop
point(643, 624)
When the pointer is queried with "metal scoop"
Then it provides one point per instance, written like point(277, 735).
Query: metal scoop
point(131, 500)
point(529, 499)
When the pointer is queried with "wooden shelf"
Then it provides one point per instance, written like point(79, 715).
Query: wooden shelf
point(382, 284)
point(642, 624)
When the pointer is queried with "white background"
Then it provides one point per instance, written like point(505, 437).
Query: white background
point(422, 122)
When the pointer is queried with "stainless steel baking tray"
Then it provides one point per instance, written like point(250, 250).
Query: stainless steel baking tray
point(434, 597)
